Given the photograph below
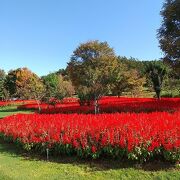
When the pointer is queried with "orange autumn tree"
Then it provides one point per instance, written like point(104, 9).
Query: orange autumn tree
point(24, 84)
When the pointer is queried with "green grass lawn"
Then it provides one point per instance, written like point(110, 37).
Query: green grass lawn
point(9, 110)
point(15, 164)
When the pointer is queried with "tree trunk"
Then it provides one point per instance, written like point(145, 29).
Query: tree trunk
point(39, 107)
point(96, 106)
point(158, 93)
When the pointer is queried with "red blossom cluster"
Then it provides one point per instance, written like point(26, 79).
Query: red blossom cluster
point(129, 135)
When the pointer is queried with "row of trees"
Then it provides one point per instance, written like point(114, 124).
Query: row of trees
point(93, 71)
point(21, 83)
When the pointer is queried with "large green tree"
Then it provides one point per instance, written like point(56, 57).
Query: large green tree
point(57, 87)
point(91, 68)
point(169, 33)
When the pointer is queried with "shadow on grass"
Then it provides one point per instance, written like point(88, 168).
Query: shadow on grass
point(95, 165)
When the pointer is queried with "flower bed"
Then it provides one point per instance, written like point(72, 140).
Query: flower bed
point(111, 105)
point(129, 136)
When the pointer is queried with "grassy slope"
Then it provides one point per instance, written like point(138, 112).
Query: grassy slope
point(15, 165)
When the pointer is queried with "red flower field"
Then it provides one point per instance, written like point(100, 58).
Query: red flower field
point(111, 104)
point(135, 136)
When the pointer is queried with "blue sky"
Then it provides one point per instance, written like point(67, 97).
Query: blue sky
point(42, 34)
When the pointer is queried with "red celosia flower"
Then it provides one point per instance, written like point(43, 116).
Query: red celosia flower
point(93, 149)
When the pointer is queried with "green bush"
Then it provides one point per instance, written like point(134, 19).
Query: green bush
point(172, 94)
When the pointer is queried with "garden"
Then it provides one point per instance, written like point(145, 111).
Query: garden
point(102, 116)
point(142, 142)
point(152, 133)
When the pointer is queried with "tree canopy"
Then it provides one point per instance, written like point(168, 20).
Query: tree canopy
point(22, 83)
point(92, 67)
point(169, 33)
point(57, 87)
